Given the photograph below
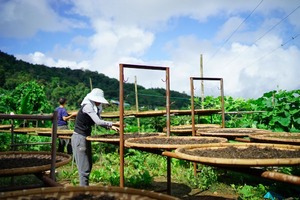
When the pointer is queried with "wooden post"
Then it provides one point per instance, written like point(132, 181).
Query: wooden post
point(121, 144)
point(137, 103)
point(202, 86)
point(91, 84)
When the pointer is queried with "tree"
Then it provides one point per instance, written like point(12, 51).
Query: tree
point(28, 97)
point(2, 76)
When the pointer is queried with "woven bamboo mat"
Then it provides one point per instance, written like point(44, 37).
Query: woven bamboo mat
point(24, 130)
point(170, 143)
point(5, 126)
point(104, 192)
point(59, 132)
point(191, 152)
point(107, 138)
point(187, 129)
point(175, 112)
point(61, 159)
point(230, 132)
point(282, 138)
point(160, 113)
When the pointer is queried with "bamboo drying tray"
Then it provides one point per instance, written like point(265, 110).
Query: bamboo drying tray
point(236, 162)
point(98, 138)
point(5, 126)
point(282, 138)
point(170, 142)
point(230, 132)
point(160, 113)
point(61, 193)
point(25, 130)
point(59, 132)
point(62, 159)
point(188, 129)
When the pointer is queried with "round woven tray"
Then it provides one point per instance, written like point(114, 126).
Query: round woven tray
point(5, 126)
point(98, 138)
point(170, 143)
point(30, 130)
point(80, 192)
point(62, 159)
point(187, 129)
point(59, 132)
point(282, 138)
point(243, 162)
point(230, 132)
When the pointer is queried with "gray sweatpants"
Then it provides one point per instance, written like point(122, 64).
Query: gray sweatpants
point(82, 150)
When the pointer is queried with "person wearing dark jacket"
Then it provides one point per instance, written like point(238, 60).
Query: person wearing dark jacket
point(87, 116)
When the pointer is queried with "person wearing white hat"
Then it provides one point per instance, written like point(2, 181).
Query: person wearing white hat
point(87, 116)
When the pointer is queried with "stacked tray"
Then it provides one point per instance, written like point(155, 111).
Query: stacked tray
point(116, 137)
point(187, 129)
point(230, 132)
point(81, 192)
point(281, 138)
point(23, 162)
point(59, 132)
point(170, 143)
point(25, 130)
point(5, 126)
point(241, 154)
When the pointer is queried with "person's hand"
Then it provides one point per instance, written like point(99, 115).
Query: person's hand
point(115, 128)
point(118, 124)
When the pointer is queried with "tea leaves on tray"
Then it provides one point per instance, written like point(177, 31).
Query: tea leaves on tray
point(252, 152)
point(161, 140)
point(9, 163)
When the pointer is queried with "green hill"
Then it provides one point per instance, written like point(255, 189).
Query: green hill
point(75, 84)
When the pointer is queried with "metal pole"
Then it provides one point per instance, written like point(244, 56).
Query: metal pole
point(12, 135)
point(121, 79)
point(222, 103)
point(46, 180)
point(53, 150)
point(168, 129)
point(137, 102)
point(168, 100)
point(193, 117)
point(12, 180)
point(192, 106)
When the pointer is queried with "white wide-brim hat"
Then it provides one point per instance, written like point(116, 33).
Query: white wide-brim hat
point(97, 95)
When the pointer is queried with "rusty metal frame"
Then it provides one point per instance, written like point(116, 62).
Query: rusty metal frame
point(54, 118)
point(121, 100)
point(192, 99)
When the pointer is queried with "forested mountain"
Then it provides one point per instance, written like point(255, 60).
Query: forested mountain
point(75, 84)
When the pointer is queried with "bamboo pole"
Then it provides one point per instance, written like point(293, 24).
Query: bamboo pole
point(202, 85)
point(137, 102)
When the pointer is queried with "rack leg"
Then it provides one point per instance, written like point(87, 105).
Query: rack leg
point(169, 175)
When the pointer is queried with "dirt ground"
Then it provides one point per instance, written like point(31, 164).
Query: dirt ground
point(185, 192)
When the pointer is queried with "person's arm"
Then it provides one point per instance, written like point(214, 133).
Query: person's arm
point(66, 118)
point(95, 117)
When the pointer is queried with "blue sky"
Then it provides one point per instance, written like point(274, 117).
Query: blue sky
point(247, 43)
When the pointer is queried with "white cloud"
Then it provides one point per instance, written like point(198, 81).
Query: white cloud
point(23, 19)
point(68, 53)
point(254, 72)
point(40, 58)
